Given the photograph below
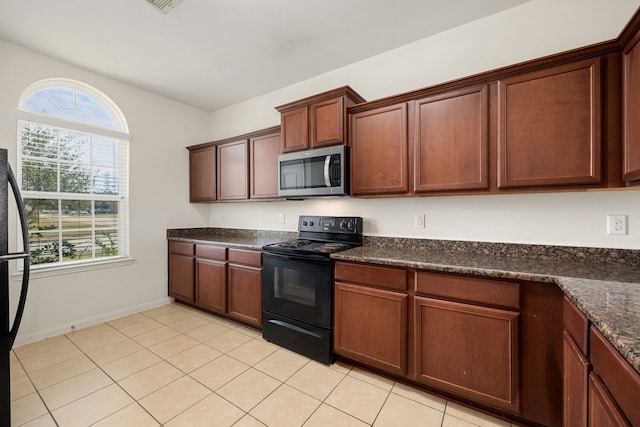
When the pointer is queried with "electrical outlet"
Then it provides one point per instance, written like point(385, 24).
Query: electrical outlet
point(616, 224)
point(223, 217)
point(419, 221)
point(281, 218)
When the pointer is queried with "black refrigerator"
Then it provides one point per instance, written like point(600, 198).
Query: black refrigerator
point(8, 329)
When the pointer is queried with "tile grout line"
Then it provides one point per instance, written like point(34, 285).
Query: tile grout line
point(231, 326)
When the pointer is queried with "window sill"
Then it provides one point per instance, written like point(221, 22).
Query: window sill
point(78, 267)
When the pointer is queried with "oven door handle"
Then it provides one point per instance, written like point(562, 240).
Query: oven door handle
point(294, 328)
point(319, 259)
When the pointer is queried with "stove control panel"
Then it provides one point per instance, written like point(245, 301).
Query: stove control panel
point(330, 224)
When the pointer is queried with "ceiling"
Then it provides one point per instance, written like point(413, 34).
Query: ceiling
point(214, 53)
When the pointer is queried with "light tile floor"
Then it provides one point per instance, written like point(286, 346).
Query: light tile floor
point(176, 366)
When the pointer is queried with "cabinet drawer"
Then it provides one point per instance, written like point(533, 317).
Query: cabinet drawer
point(622, 381)
point(576, 323)
point(181, 248)
point(383, 277)
point(211, 252)
point(248, 257)
point(470, 289)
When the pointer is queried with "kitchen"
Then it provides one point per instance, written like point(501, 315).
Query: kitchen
point(571, 219)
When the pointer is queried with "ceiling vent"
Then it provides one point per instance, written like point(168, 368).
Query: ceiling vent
point(165, 6)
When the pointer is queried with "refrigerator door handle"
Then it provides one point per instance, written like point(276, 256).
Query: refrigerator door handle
point(26, 255)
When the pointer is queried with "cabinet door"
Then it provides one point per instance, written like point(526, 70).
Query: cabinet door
point(264, 166)
point(549, 127)
point(379, 151)
point(631, 93)
point(621, 379)
point(576, 373)
point(326, 122)
point(211, 285)
point(233, 170)
point(371, 326)
point(202, 175)
point(468, 350)
point(451, 141)
point(603, 410)
point(245, 294)
point(295, 130)
point(181, 277)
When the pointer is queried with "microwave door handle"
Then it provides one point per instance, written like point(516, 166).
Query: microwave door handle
point(327, 178)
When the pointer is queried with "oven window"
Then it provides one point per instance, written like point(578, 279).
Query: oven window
point(291, 285)
point(298, 288)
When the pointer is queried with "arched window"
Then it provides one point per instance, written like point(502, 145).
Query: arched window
point(73, 169)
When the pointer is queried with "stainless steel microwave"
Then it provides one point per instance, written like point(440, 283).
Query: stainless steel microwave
point(317, 172)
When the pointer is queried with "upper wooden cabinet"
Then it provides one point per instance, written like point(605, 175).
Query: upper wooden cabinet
point(317, 121)
point(549, 126)
point(233, 170)
point(202, 174)
point(379, 151)
point(631, 113)
point(451, 141)
point(263, 171)
point(440, 143)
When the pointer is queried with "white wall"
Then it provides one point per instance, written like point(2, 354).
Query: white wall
point(160, 130)
point(532, 30)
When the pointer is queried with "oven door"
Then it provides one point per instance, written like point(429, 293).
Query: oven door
point(298, 287)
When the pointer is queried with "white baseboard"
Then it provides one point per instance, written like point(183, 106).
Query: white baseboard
point(23, 339)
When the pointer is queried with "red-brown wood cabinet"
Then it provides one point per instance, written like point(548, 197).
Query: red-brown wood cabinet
point(478, 339)
point(631, 99)
point(600, 387)
point(371, 315)
point(181, 271)
point(451, 141)
point(226, 281)
point(549, 126)
point(235, 169)
point(317, 121)
point(380, 151)
point(202, 174)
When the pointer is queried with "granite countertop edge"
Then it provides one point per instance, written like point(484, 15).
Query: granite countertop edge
point(607, 290)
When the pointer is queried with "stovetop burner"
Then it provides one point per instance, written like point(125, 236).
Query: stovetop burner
point(321, 236)
point(293, 243)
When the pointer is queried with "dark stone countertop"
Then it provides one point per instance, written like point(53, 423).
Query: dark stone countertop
point(228, 237)
point(603, 283)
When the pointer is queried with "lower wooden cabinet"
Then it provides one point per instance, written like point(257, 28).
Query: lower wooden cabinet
point(468, 350)
point(600, 387)
point(245, 286)
point(181, 271)
point(211, 278)
point(245, 294)
point(371, 326)
point(221, 280)
point(603, 410)
point(495, 343)
point(576, 373)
